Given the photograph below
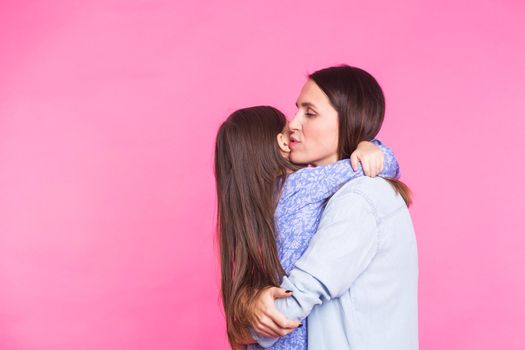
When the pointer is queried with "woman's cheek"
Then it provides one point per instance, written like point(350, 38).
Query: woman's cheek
point(329, 143)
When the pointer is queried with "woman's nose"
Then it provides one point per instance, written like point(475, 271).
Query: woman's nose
point(294, 123)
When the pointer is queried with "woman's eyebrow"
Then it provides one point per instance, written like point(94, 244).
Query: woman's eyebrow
point(305, 104)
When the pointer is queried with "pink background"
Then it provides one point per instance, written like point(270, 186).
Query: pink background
point(108, 114)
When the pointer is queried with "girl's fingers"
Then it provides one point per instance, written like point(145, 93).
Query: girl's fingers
point(354, 160)
point(372, 168)
point(366, 167)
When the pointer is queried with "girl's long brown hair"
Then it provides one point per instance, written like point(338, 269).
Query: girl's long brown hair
point(360, 104)
point(249, 172)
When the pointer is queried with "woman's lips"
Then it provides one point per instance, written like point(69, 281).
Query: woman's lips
point(293, 144)
point(294, 141)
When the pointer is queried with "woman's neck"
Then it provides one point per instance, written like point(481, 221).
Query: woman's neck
point(326, 161)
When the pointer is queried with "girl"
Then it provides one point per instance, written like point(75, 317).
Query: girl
point(269, 208)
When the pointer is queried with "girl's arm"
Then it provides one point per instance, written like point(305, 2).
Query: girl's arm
point(315, 184)
point(391, 166)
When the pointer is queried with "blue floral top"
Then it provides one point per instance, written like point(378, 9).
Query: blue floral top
point(298, 213)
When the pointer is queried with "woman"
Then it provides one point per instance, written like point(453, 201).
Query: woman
point(254, 180)
point(357, 281)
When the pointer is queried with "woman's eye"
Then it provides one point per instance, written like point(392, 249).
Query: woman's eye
point(309, 114)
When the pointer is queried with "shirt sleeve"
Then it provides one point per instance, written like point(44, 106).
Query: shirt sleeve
point(342, 248)
point(391, 166)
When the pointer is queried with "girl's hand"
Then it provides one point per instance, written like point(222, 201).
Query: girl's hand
point(265, 318)
point(371, 157)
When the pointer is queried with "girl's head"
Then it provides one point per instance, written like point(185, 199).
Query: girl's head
point(254, 139)
point(250, 166)
point(338, 107)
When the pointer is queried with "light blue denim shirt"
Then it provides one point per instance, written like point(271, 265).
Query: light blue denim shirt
point(301, 203)
point(357, 281)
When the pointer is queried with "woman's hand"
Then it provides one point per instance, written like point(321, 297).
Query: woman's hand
point(266, 319)
point(371, 157)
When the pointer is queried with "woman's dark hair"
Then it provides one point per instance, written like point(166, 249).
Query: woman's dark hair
point(360, 105)
point(249, 173)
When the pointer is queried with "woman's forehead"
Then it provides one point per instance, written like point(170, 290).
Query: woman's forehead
point(311, 95)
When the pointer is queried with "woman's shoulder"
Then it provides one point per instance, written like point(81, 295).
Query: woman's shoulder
point(375, 193)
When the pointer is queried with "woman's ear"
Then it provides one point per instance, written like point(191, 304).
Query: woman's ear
point(283, 143)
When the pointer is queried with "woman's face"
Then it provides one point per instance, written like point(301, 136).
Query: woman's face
point(314, 131)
